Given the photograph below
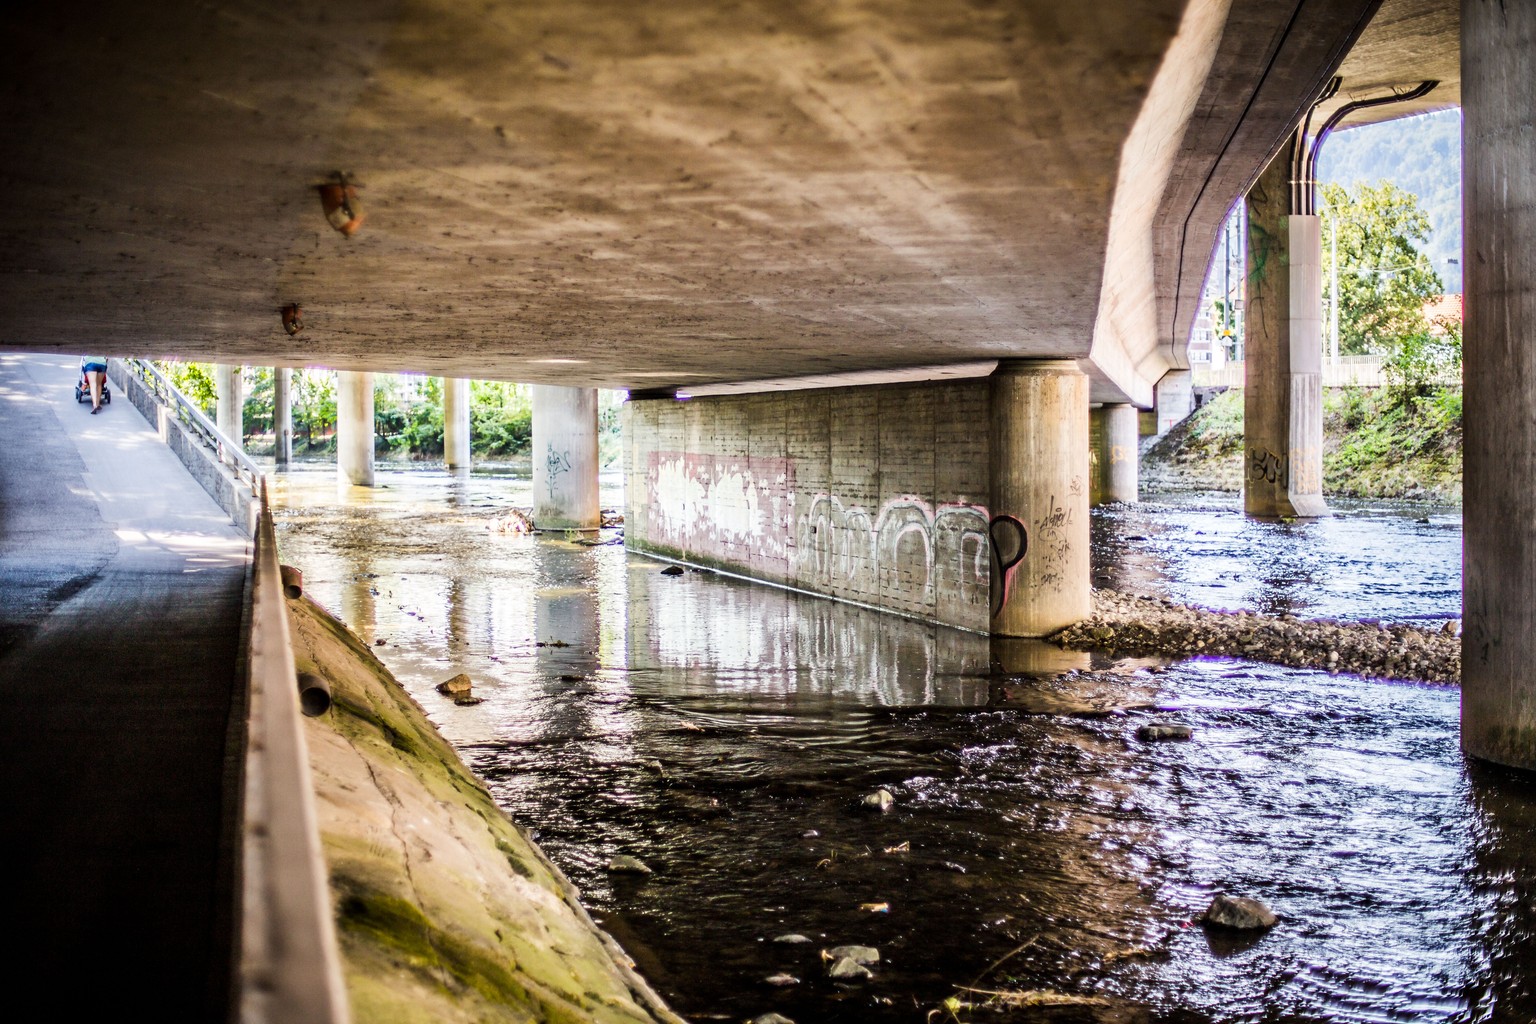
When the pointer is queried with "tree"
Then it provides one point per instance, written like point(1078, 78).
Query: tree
point(314, 402)
point(1384, 279)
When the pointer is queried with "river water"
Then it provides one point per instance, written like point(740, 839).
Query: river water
point(725, 733)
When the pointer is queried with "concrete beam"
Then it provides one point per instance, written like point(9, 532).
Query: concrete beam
point(282, 416)
point(565, 458)
point(1283, 392)
point(1498, 695)
point(1039, 513)
point(229, 407)
point(354, 428)
point(1115, 454)
point(456, 423)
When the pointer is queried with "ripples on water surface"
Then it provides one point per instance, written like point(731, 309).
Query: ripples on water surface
point(723, 732)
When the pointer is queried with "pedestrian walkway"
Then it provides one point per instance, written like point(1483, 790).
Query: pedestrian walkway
point(121, 586)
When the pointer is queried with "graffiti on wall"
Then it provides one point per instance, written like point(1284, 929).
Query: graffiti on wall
point(555, 463)
point(907, 548)
point(1009, 543)
point(729, 507)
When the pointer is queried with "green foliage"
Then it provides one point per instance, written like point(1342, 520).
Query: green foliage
point(500, 417)
point(313, 395)
point(408, 413)
point(1425, 363)
point(1384, 280)
point(1384, 445)
point(257, 413)
point(1422, 155)
point(195, 380)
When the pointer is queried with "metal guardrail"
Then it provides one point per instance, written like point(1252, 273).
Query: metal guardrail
point(196, 422)
point(290, 968)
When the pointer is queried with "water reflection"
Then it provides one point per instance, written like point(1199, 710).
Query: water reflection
point(725, 732)
point(1395, 561)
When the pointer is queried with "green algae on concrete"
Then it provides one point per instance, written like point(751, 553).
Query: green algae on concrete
point(445, 910)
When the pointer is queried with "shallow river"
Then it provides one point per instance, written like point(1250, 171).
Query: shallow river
point(724, 733)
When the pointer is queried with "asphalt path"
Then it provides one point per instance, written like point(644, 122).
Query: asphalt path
point(121, 588)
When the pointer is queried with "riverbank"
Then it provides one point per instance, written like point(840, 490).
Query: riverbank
point(1374, 446)
point(445, 909)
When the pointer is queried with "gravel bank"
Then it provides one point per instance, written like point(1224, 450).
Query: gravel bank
point(1141, 625)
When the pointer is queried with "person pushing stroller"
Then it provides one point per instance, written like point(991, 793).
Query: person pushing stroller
point(94, 370)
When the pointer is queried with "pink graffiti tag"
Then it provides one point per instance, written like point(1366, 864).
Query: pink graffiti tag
point(1010, 540)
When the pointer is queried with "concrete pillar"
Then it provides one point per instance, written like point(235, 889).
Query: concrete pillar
point(229, 407)
point(456, 422)
point(354, 428)
point(1113, 440)
point(565, 458)
point(282, 416)
point(1174, 398)
point(1039, 470)
point(1498, 647)
point(1283, 387)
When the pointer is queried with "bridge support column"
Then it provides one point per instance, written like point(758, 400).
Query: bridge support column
point(1283, 392)
point(282, 416)
point(1039, 509)
point(354, 428)
point(1498, 92)
point(565, 458)
point(229, 406)
point(1113, 438)
point(456, 422)
point(1174, 399)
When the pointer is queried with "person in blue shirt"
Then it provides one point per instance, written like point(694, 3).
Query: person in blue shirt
point(95, 370)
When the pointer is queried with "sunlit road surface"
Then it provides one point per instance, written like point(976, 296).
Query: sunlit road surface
point(120, 597)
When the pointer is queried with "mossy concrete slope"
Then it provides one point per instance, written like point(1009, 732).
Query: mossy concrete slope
point(446, 911)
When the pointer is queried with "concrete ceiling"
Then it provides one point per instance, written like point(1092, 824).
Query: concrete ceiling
point(650, 196)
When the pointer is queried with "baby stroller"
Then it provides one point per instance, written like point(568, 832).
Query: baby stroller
point(83, 388)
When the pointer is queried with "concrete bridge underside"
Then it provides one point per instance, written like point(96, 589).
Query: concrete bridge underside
point(1015, 201)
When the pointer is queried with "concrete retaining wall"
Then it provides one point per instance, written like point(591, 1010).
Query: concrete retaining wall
point(231, 495)
point(876, 495)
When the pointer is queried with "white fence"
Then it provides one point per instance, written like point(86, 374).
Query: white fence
point(1348, 372)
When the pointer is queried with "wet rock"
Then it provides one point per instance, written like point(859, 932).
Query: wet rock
point(880, 800)
point(627, 865)
point(781, 980)
point(772, 1018)
point(459, 686)
point(673, 570)
point(847, 969)
point(858, 954)
point(1452, 628)
point(467, 701)
point(1154, 732)
point(792, 939)
point(1238, 913)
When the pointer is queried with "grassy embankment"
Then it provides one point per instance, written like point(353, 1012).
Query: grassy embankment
point(1376, 444)
point(445, 909)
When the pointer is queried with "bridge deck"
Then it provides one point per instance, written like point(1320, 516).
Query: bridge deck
point(120, 602)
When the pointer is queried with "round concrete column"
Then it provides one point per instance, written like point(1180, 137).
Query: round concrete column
point(456, 422)
point(354, 428)
point(282, 416)
point(1498, 647)
point(229, 407)
point(1113, 435)
point(1039, 464)
point(565, 458)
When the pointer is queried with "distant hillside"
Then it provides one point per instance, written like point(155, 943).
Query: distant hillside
point(1421, 154)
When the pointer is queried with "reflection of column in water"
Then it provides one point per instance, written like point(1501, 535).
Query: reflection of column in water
point(358, 607)
point(1503, 916)
point(1016, 656)
point(459, 619)
point(565, 621)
